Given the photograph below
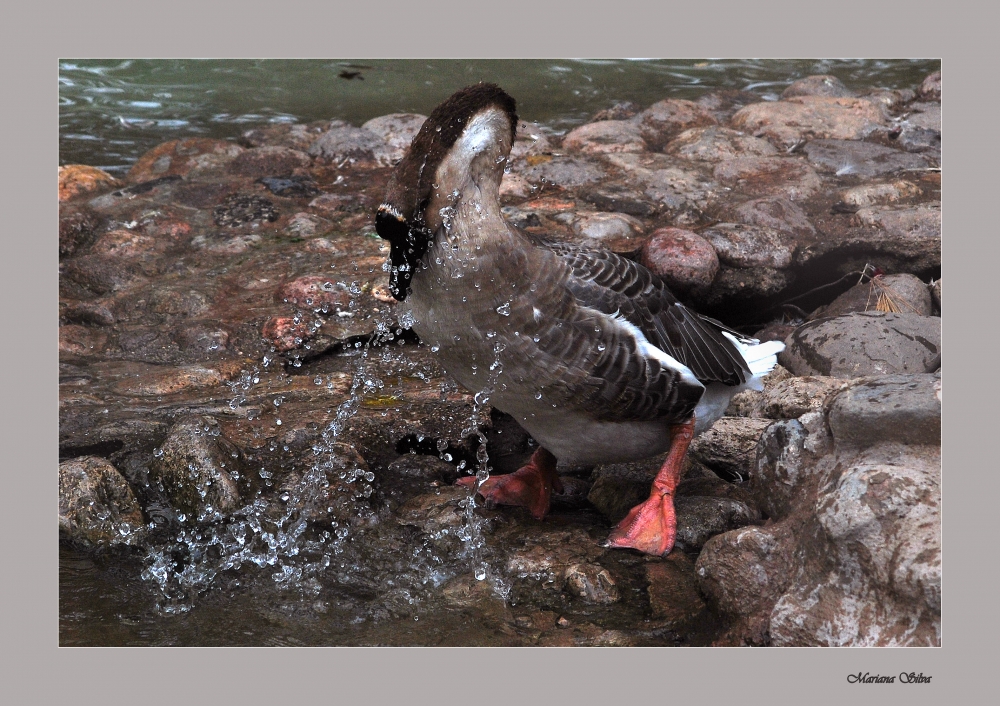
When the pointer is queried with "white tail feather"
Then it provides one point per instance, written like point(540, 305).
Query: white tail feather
point(760, 357)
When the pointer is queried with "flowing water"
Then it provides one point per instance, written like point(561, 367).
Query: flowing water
point(267, 575)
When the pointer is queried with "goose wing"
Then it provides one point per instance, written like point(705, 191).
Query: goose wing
point(613, 284)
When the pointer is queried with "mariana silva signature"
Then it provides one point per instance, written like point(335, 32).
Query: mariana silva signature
point(904, 678)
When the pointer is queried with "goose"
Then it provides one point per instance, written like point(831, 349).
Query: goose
point(589, 351)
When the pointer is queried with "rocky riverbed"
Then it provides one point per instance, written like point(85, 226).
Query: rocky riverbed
point(241, 410)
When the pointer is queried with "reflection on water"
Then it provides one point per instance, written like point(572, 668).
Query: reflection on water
point(111, 111)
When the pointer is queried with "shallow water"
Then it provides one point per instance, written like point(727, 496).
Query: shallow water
point(111, 111)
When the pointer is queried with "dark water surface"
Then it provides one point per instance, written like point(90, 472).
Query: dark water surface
point(112, 111)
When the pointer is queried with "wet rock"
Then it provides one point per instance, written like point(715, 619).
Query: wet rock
point(673, 592)
point(822, 85)
point(743, 573)
point(788, 122)
point(895, 408)
point(738, 283)
point(443, 509)
point(682, 193)
point(700, 518)
point(96, 274)
point(618, 487)
point(123, 243)
point(616, 231)
point(777, 213)
point(863, 159)
point(240, 209)
point(514, 187)
point(292, 186)
point(546, 552)
point(306, 225)
point(336, 205)
point(782, 468)
point(902, 293)
point(930, 88)
point(198, 469)
point(890, 98)
point(759, 176)
point(866, 343)
point(398, 131)
point(530, 143)
point(619, 198)
point(567, 172)
point(286, 333)
point(314, 292)
point(745, 403)
point(80, 180)
point(685, 260)
point(78, 226)
point(97, 508)
point(159, 381)
point(337, 488)
point(740, 245)
point(619, 111)
point(909, 232)
point(878, 520)
point(717, 143)
point(344, 143)
point(729, 446)
point(226, 246)
point(791, 398)
point(204, 337)
point(662, 121)
point(269, 161)
point(723, 104)
point(878, 194)
point(88, 313)
point(80, 340)
point(295, 136)
point(605, 136)
point(190, 157)
point(592, 583)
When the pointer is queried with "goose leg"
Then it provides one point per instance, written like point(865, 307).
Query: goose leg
point(530, 486)
point(651, 526)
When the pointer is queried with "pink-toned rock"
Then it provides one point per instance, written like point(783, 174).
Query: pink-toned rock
point(662, 121)
point(605, 136)
point(79, 179)
point(616, 231)
point(515, 186)
point(762, 176)
point(80, 340)
point(930, 89)
point(684, 259)
point(123, 243)
point(817, 86)
point(349, 145)
point(788, 122)
point(188, 157)
point(529, 140)
point(313, 292)
point(286, 333)
point(397, 129)
point(716, 143)
point(269, 161)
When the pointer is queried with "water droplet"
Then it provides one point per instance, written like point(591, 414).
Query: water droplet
point(480, 574)
point(504, 309)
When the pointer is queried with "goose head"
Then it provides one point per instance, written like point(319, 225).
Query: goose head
point(458, 155)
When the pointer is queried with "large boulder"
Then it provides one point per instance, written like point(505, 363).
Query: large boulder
point(865, 343)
